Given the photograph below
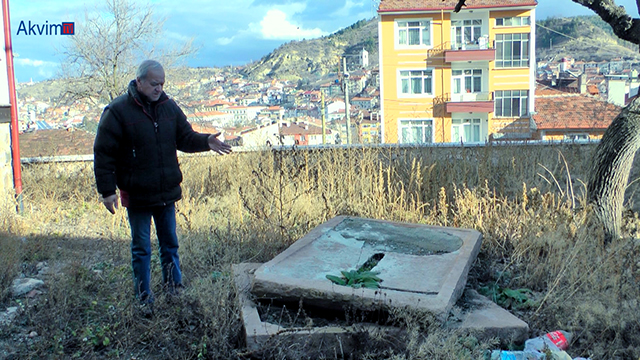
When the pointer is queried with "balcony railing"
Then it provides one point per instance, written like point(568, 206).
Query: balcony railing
point(470, 51)
point(481, 102)
point(481, 44)
point(478, 96)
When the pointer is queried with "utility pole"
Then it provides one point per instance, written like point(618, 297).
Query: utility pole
point(345, 83)
point(324, 128)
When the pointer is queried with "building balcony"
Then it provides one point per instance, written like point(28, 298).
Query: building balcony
point(476, 51)
point(471, 102)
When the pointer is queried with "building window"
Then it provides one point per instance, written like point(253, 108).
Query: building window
point(512, 50)
point(416, 82)
point(467, 81)
point(416, 131)
point(512, 103)
point(414, 33)
point(465, 32)
point(576, 137)
point(465, 130)
point(513, 21)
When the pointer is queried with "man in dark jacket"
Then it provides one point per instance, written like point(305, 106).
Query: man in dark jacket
point(135, 152)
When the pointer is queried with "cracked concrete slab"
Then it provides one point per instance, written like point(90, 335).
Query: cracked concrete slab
point(423, 267)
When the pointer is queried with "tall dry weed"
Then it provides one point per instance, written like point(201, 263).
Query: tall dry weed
point(527, 201)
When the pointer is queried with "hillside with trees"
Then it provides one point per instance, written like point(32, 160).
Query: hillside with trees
point(581, 37)
point(316, 58)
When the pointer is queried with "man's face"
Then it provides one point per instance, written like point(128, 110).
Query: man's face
point(151, 85)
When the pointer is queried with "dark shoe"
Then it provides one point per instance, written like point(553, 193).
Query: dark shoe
point(174, 289)
point(146, 309)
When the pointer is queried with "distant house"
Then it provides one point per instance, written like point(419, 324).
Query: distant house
point(261, 136)
point(243, 114)
point(335, 110)
point(331, 88)
point(365, 103)
point(303, 133)
point(284, 133)
point(563, 116)
point(218, 118)
point(369, 131)
point(275, 113)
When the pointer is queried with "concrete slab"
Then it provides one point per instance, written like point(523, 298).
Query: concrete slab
point(423, 267)
point(487, 320)
point(262, 335)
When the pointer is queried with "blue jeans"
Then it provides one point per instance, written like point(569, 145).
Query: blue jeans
point(164, 218)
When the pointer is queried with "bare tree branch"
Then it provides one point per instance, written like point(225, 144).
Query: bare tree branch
point(102, 57)
point(622, 24)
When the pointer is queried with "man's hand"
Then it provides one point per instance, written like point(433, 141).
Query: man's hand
point(110, 202)
point(218, 146)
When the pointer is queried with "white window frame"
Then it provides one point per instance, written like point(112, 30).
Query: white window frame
point(512, 21)
point(416, 123)
point(523, 102)
point(460, 125)
point(576, 137)
point(403, 25)
point(472, 74)
point(504, 43)
point(474, 27)
point(409, 75)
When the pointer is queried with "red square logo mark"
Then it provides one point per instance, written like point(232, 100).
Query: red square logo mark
point(68, 28)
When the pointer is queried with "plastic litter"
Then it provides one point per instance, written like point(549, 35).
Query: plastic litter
point(513, 355)
point(555, 340)
point(550, 346)
point(529, 355)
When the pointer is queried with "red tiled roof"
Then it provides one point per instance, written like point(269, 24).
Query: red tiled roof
point(542, 89)
point(573, 111)
point(56, 142)
point(403, 5)
point(204, 129)
point(207, 113)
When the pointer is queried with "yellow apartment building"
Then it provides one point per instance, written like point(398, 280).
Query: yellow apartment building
point(456, 77)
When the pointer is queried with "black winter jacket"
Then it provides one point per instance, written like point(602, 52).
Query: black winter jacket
point(135, 149)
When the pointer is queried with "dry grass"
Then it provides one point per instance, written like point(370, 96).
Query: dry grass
point(527, 201)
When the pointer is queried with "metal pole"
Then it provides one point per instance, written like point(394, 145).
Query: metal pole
point(324, 124)
point(346, 99)
point(15, 144)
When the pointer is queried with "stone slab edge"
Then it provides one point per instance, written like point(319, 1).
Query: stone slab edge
point(259, 333)
point(488, 320)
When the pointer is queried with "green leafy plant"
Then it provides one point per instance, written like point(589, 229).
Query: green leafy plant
point(97, 336)
point(363, 277)
point(508, 298)
point(357, 279)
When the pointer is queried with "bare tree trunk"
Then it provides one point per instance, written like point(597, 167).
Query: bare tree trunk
point(614, 156)
point(611, 167)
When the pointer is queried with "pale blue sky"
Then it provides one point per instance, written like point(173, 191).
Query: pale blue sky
point(227, 32)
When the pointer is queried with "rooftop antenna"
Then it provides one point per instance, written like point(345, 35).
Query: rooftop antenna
point(374, 7)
